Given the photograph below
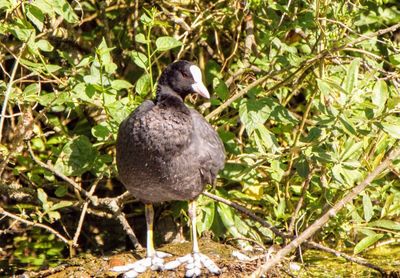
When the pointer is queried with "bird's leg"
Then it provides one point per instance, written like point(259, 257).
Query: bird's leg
point(154, 259)
point(195, 261)
point(149, 213)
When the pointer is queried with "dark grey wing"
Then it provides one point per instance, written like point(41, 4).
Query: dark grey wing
point(127, 137)
point(126, 128)
point(209, 148)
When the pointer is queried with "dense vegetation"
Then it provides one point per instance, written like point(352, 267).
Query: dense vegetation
point(305, 97)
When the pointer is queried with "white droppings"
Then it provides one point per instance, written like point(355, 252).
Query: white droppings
point(172, 265)
point(131, 274)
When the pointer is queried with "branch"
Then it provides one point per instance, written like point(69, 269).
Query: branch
point(311, 244)
point(356, 260)
point(34, 224)
point(330, 213)
point(8, 91)
point(83, 213)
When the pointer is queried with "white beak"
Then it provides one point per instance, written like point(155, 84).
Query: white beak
point(201, 89)
point(198, 86)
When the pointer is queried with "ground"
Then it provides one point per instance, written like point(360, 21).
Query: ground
point(91, 266)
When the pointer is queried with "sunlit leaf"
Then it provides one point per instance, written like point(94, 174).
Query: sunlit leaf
point(167, 43)
point(35, 15)
point(42, 196)
point(143, 85)
point(44, 45)
point(392, 130)
point(350, 81)
point(366, 242)
point(63, 8)
point(139, 59)
point(368, 208)
point(386, 224)
point(76, 157)
point(380, 95)
point(120, 84)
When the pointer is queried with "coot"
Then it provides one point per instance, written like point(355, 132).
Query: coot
point(167, 151)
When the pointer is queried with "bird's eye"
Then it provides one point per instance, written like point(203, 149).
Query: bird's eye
point(185, 74)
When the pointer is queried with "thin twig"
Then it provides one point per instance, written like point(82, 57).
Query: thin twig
point(83, 213)
point(115, 207)
point(304, 188)
point(8, 90)
point(34, 224)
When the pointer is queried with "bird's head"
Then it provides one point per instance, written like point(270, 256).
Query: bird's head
point(184, 78)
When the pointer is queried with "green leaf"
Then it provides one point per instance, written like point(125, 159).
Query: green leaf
point(101, 131)
point(35, 15)
point(351, 149)
point(280, 210)
point(388, 203)
point(349, 128)
point(167, 43)
point(366, 242)
point(265, 139)
point(22, 30)
point(42, 196)
point(31, 92)
point(61, 204)
point(44, 45)
point(76, 157)
point(368, 208)
point(84, 62)
point(380, 95)
point(392, 130)
point(302, 167)
point(61, 191)
point(139, 59)
point(143, 85)
point(63, 8)
point(220, 88)
point(51, 68)
point(207, 213)
point(5, 4)
point(54, 215)
point(145, 19)
point(45, 6)
point(386, 224)
point(140, 38)
point(226, 214)
point(104, 52)
point(254, 112)
point(350, 81)
point(120, 84)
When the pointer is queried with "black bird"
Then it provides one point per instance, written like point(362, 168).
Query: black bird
point(167, 151)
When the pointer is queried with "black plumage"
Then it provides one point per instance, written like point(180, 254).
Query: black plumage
point(166, 150)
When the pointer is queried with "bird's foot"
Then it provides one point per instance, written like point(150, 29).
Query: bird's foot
point(155, 262)
point(194, 262)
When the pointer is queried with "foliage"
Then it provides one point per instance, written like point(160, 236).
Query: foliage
point(296, 102)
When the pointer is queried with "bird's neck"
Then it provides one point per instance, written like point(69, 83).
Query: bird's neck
point(167, 96)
